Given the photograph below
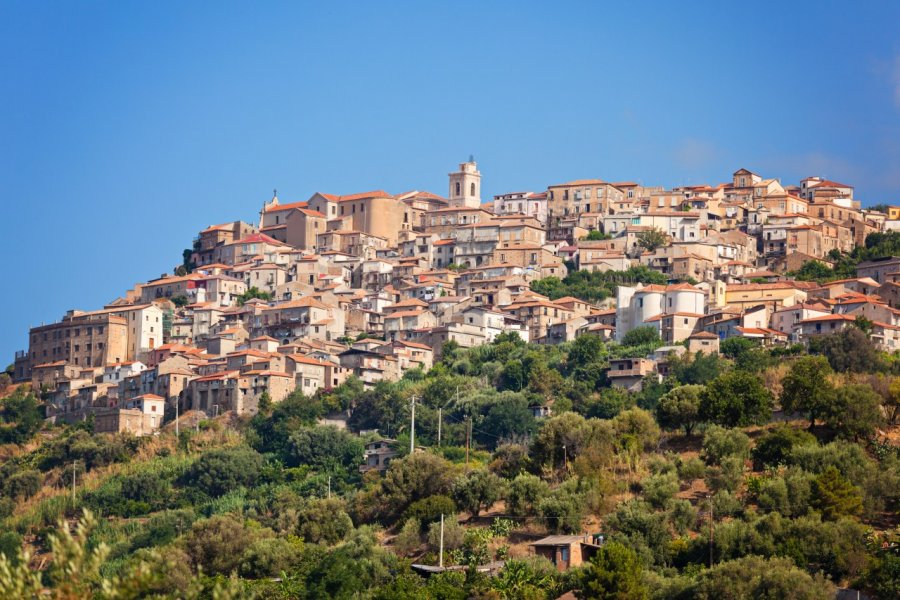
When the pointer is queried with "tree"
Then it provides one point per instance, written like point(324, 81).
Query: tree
point(806, 387)
point(221, 470)
point(652, 239)
point(720, 443)
point(638, 336)
point(699, 368)
point(412, 478)
point(251, 293)
point(269, 558)
point(855, 412)
point(20, 417)
point(883, 576)
point(217, 544)
point(736, 399)
point(615, 572)
point(22, 484)
point(476, 490)
point(735, 346)
point(755, 577)
point(814, 270)
point(847, 350)
point(410, 537)
point(774, 448)
point(524, 493)
point(508, 418)
point(892, 402)
point(324, 521)
point(834, 496)
point(324, 448)
point(680, 408)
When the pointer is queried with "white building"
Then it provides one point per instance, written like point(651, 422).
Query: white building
point(654, 304)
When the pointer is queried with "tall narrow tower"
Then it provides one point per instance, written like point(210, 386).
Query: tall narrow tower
point(465, 186)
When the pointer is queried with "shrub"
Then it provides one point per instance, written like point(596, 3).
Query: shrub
point(325, 521)
point(222, 470)
point(23, 484)
point(218, 544)
point(453, 534)
point(409, 538)
point(774, 448)
point(524, 494)
point(269, 558)
point(658, 489)
point(690, 469)
point(429, 510)
point(720, 443)
point(476, 490)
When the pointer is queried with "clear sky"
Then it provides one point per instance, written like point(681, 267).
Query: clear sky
point(127, 127)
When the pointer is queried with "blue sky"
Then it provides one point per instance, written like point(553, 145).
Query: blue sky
point(127, 127)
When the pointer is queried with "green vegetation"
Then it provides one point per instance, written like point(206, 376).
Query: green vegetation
point(593, 286)
point(251, 293)
point(275, 506)
point(596, 235)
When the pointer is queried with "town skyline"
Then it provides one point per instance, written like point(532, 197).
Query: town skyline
point(100, 125)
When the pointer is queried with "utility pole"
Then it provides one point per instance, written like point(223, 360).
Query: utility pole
point(711, 531)
point(412, 425)
point(565, 458)
point(468, 438)
point(74, 462)
point(439, 427)
point(177, 402)
point(441, 553)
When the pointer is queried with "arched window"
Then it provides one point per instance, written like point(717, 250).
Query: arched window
point(457, 188)
point(472, 190)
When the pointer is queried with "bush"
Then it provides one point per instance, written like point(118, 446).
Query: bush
point(324, 447)
point(477, 490)
point(690, 469)
point(726, 476)
point(325, 521)
point(429, 510)
point(614, 572)
point(774, 448)
point(218, 544)
point(562, 511)
point(410, 537)
point(524, 494)
point(269, 558)
point(720, 443)
point(147, 487)
point(23, 484)
point(222, 470)
point(454, 534)
point(757, 577)
point(736, 399)
point(658, 489)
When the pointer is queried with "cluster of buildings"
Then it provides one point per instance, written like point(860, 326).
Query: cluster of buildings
point(374, 284)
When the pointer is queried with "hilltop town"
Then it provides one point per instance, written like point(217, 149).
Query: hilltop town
point(601, 390)
point(374, 284)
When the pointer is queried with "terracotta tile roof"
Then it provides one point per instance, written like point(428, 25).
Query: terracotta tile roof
point(360, 196)
point(260, 238)
point(281, 207)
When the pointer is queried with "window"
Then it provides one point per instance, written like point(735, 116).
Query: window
point(472, 189)
point(457, 188)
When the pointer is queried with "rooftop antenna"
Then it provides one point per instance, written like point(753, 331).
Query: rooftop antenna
point(275, 192)
point(471, 158)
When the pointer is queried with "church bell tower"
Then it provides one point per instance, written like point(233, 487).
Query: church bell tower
point(465, 186)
